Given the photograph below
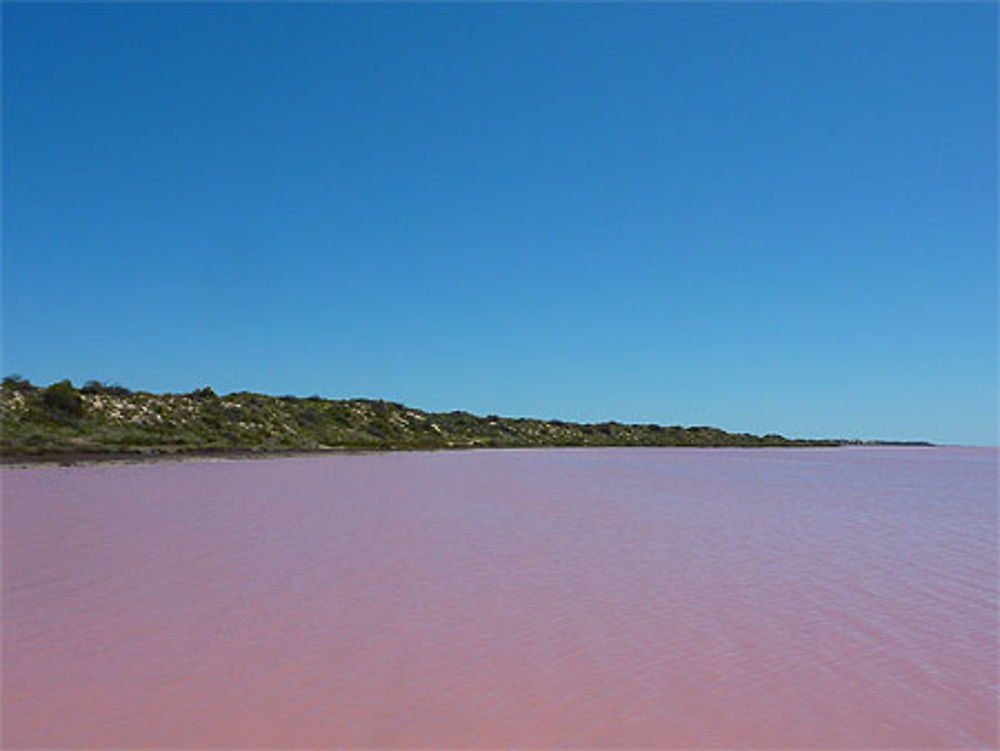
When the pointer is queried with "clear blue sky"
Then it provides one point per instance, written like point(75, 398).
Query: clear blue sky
point(774, 217)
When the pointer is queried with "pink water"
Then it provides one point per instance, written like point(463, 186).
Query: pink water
point(828, 598)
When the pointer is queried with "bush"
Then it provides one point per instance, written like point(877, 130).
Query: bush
point(16, 383)
point(92, 387)
point(62, 400)
point(96, 387)
point(310, 417)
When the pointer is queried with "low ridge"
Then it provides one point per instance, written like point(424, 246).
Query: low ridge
point(100, 420)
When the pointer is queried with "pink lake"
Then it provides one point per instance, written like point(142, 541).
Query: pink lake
point(612, 598)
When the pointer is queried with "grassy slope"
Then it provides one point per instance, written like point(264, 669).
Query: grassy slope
point(98, 420)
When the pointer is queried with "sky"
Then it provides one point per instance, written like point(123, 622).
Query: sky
point(761, 217)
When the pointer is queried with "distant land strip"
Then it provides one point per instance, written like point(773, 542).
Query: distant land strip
point(97, 421)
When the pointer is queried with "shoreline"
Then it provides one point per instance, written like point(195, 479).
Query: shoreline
point(116, 458)
point(94, 458)
point(62, 425)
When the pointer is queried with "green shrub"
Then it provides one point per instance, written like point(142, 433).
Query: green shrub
point(15, 382)
point(112, 389)
point(62, 400)
point(92, 387)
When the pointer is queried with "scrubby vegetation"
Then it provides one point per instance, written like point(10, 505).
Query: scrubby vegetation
point(97, 419)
